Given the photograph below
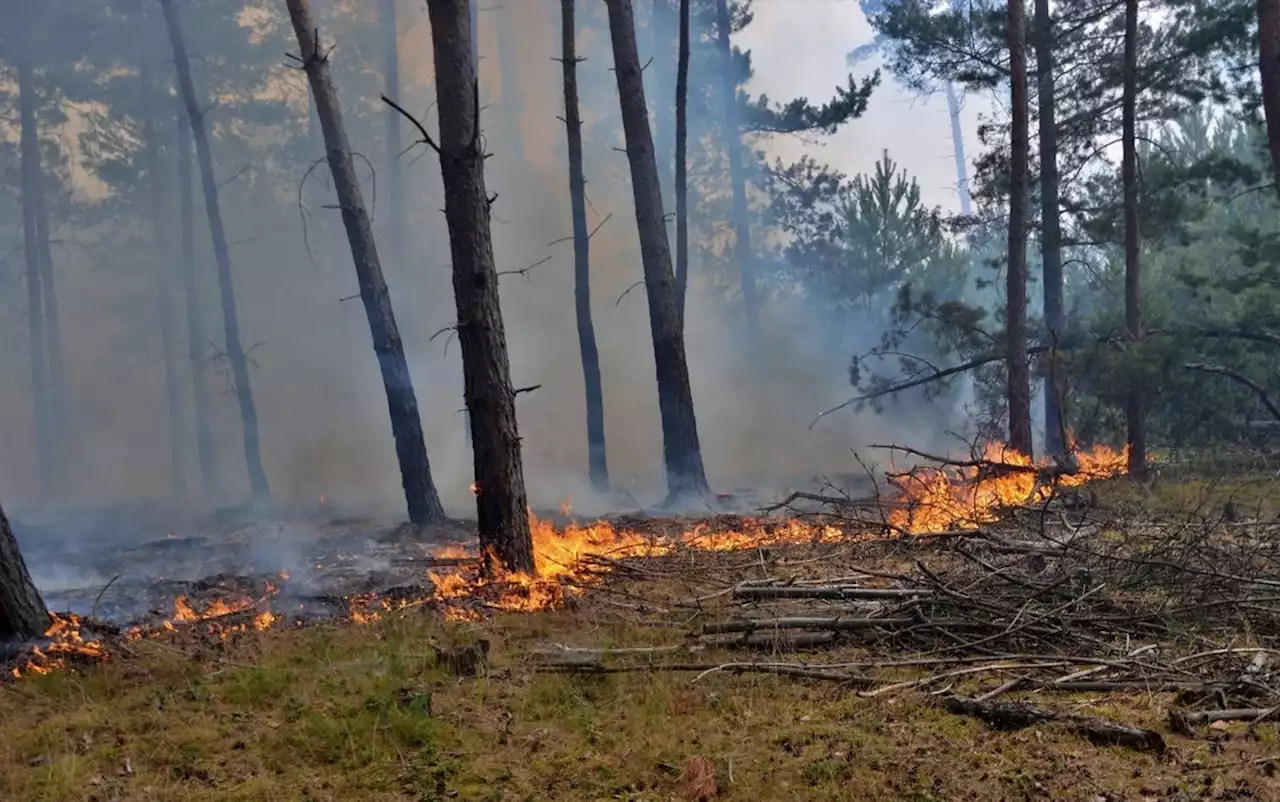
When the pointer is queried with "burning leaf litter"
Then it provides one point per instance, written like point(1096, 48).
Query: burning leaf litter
point(579, 555)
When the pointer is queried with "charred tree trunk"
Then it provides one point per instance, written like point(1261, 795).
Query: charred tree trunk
point(22, 611)
point(1269, 67)
point(196, 351)
point(1019, 374)
point(230, 318)
point(29, 145)
point(1050, 223)
point(664, 109)
point(597, 464)
point(406, 426)
point(391, 82)
point(164, 281)
point(682, 454)
point(682, 162)
point(1132, 254)
point(490, 397)
point(742, 250)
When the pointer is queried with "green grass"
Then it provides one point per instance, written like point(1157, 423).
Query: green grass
point(346, 712)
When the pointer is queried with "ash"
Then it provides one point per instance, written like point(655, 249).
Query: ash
point(129, 565)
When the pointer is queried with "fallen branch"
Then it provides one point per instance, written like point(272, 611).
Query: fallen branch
point(838, 593)
point(1018, 715)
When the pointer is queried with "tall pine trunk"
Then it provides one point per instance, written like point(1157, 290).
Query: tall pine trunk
point(22, 611)
point(391, 84)
point(957, 147)
point(1269, 68)
point(682, 455)
point(1019, 373)
point(1051, 225)
point(53, 330)
point(406, 425)
point(222, 255)
point(490, 397)
point(682, 162)
point(742, 250)
point(597, 464)
point(164, 280)
point(197, 353)
point(1132, 254)
point(664, 109)
point(29, 148)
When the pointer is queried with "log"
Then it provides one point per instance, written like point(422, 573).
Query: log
point(1019, 715)
point(827, 593)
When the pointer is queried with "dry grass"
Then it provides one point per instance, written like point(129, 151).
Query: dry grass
point(348, 712)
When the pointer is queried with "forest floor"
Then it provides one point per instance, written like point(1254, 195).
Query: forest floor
point(622, 694)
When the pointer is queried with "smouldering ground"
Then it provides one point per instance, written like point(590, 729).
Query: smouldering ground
point(348, 712)
point(342, 711)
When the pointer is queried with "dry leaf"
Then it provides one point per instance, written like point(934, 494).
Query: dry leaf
point(698, 780)
point(1220, 725)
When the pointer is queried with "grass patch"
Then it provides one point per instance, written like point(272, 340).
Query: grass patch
point(345, 712)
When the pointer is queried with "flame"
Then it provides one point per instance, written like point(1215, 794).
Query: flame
point(474, 488)
point(323, 499)
point(580, 554)
point(946, 499)
point(65, 641)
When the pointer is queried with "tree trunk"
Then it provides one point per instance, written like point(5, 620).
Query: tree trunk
point(1269, 67)
point(664, 109)
point(1051, 225)
point(230, 319)
point(597, 464)
point(29, 145)
point(406, 425)
point(682, 454)
point(1019, 375)
point(164, 281)
point(957, 145)
point(1132, 255)
point(512, 107)
point(682, 162)
point(53, 329)
point(22, 611)
point(742, 250)
point(490, 397)
point(391, 84)
point(197, 353)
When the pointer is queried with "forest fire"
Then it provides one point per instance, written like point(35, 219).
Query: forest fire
point(960, 495)
point(967, 495)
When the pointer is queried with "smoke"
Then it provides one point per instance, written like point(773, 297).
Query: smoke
point(323, 413)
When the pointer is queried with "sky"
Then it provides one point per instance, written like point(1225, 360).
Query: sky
point(798, 49)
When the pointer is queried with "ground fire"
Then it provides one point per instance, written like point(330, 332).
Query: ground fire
point(926, 500)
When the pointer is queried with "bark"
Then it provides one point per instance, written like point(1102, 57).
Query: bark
point(682, 454)
point(664, 109)
point(1019, 375)
point(957, 145)
point(196, 351)
point(22, 611)
point(406, 425)
point(391, 83)
point(597, 464)
point(742, 250)
point(490, 397)
point(222, 256)
point(1050, 222)
point(29, 145)
point(1269, 67)
point(1132, 255)
point(682, 162)
point(164, 281)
